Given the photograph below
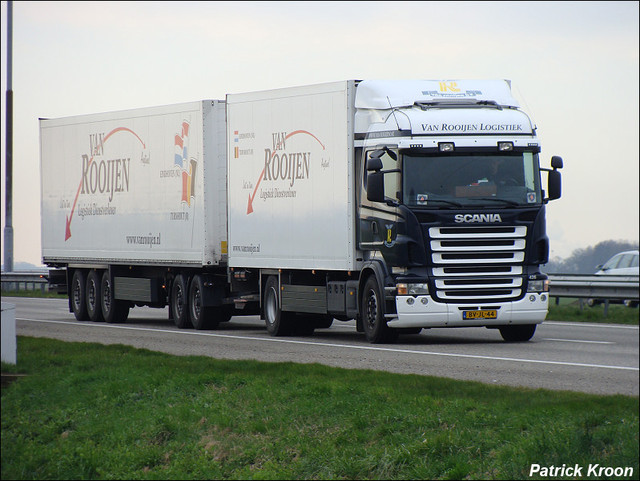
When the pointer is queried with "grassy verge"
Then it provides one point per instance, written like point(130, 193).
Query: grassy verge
point(569, 310)
point(35, 293)
point(90, 411)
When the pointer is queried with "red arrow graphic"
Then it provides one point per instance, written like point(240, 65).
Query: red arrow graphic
point(251, 197)
point(67, 232)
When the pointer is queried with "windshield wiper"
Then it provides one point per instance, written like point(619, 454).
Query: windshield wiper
point(508, 202)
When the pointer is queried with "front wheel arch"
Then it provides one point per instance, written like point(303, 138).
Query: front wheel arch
point(373, 312)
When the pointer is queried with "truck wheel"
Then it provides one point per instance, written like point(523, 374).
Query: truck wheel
point(92, 293)
point(278, 323)
point(201, 317)
point(373, 320)
point(113, 310)
point(179, 302)
point(321, 321)
point(518, 333)
point(77, 295)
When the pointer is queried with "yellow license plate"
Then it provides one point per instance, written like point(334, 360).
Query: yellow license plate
point(488, 314)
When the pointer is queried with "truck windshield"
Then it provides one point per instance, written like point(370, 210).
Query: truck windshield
point(470, 180)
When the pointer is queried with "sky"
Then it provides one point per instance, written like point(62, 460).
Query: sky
point(573, 66)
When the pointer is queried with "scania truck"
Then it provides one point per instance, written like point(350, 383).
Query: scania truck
point(401, 204)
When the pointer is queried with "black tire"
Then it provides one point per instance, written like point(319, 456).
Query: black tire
point(306, 324)
point(113, 310)
point(180, 302)
point(520, 333)
point(77, 295)
point(92, 296)
point(303, 325)
point(323, 321)
point(226, 313)
point(373, 320)
point(278, 323)
point(410, 330)
point(201, 317)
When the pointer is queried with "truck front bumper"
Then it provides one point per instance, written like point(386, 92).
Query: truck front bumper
point(423, 311)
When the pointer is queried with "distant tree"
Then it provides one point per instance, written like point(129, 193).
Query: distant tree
point(586, 260)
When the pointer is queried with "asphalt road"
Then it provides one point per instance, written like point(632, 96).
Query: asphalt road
point(591, 358)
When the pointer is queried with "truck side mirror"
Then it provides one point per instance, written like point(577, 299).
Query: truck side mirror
point(556, 162)
point(375, 186)
point(374, 163)
point(555, 178)
point(554, 184)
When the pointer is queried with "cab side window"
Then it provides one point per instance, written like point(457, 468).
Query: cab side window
point(392, 180)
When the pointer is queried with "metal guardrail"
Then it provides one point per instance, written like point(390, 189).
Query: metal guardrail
point(594, 287)
point(25, 281)
point(582, 286)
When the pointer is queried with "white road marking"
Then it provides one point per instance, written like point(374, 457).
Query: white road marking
point(343, 346)
point(602, 326)
point(578, 340)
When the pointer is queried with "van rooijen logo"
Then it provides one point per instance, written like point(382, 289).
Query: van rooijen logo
point(450, 89)
point(187, 165)
point(102, 176)
point(453, 86)
point(283, 167)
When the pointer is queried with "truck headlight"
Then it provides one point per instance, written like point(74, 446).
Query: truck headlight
point(541, 285)
point(413, 289)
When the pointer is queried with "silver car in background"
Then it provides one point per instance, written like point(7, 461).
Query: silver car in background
point(622, 264)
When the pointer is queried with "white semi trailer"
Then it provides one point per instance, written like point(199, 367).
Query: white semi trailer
point(401, 204)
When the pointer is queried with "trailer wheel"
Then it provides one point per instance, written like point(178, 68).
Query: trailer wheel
point(77, 295)
point(278, 323)
point(92, 293)
point(373, 320)
point(113, 310)
point(202, 317)
point(518, 333)
point(179, 302)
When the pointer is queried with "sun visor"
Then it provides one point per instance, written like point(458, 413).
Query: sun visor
point(386, 94)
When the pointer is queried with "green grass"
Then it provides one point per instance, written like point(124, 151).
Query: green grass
point(34, 293)
point(89, 411)
point(569, 310)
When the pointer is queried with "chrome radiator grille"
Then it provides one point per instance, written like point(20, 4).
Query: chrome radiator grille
point(478, 264)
